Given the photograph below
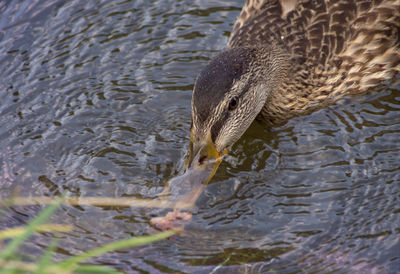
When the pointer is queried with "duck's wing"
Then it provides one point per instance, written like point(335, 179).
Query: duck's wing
point(338, 32)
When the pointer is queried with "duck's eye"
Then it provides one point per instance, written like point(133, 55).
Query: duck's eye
point(233, 103)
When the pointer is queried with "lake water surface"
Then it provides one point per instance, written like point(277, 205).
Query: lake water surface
point(95, 100)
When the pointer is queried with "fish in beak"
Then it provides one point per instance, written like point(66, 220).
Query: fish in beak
point(200, 166)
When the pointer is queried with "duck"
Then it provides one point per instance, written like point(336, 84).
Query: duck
point(285, 58)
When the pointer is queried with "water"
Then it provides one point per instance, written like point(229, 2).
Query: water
point(96, 101)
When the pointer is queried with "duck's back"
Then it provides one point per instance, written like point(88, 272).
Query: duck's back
point(337, 47)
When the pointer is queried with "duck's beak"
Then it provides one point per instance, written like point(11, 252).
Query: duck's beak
point(202, 152)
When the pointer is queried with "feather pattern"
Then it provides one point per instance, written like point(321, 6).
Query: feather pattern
point(336, 48)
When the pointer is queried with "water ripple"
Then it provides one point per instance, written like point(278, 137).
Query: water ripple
point(96, 101)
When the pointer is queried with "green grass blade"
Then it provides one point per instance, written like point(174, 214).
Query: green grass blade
point(11, 266)
point(17, 231)
point(136, 241)
point(29, 230)
point(96, 269)
point(45, 261)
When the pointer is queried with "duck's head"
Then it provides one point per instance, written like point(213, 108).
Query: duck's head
point(228, 95)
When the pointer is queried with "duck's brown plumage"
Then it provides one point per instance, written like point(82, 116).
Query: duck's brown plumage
point(287, 57)
point(336, 48)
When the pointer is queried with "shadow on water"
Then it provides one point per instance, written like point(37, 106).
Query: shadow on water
point(96, 101)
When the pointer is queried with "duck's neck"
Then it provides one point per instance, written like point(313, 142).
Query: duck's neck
point(271, 68)
point(292, 88)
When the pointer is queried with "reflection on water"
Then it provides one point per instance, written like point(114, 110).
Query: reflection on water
point(96, 101)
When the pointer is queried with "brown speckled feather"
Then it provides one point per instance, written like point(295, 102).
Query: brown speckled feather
point(336, 48)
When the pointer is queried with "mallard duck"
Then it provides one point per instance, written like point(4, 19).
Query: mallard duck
point(288, 57)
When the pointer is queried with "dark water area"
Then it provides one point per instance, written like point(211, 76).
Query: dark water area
point(95, 101)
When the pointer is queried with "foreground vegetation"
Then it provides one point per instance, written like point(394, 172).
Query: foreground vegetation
point(11, 261)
